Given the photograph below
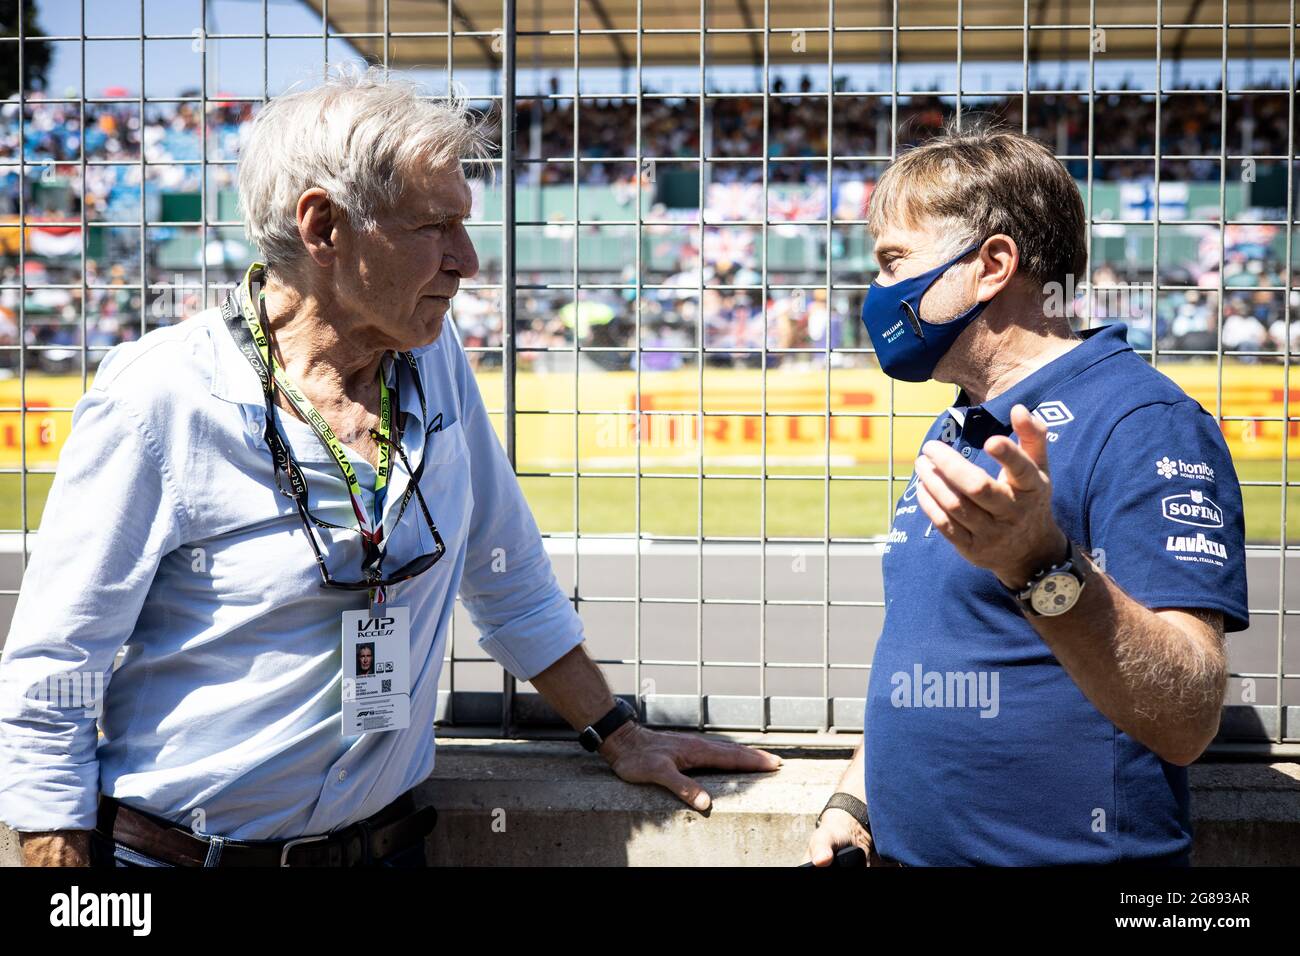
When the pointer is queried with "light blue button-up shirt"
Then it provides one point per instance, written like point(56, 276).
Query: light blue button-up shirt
point(164, 534)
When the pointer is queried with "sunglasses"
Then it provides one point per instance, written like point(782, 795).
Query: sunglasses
point(372, 562)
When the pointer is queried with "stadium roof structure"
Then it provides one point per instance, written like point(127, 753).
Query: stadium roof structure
point(864, 30)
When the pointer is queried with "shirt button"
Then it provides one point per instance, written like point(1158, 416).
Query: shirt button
point(343, 775)
point(965, 452)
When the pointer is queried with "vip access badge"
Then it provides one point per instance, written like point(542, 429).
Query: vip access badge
point(376, 670)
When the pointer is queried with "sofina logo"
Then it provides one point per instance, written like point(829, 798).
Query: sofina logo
point(1193, 508)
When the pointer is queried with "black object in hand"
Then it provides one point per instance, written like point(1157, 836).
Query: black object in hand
point(847, 856)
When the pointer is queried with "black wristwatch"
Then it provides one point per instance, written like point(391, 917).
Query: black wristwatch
point(599, 732)
point(1055, 589)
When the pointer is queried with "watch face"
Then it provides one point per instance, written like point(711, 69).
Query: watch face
point(1056, 593)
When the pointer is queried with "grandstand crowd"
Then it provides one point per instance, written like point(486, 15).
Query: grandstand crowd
point(728, 313)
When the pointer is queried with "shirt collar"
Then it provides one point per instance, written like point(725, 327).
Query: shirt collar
point(234, 380)
point(979, 422)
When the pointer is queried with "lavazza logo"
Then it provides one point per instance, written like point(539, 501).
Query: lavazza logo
point(1197, 548)
point(1192, 508)
point(1168, 467)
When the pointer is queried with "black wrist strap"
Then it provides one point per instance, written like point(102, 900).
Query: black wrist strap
point(850, 805)
point(596, 734)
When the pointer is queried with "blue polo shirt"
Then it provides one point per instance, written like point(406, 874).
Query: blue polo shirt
point(980, 748)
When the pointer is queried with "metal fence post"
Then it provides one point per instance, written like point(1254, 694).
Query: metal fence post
point(508, 120)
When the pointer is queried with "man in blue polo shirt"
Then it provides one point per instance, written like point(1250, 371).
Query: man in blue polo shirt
point(1062, 565)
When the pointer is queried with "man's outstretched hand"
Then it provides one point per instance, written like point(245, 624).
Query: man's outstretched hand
point(1004, 524)
point(640, 755)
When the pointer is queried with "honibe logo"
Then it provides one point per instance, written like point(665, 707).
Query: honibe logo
point(1168, 467)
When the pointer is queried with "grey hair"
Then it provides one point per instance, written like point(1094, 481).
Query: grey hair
point(357, 135)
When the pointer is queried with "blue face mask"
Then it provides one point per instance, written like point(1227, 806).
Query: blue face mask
point(907, 346)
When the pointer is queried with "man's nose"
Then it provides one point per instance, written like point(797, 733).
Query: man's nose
point(461, 257)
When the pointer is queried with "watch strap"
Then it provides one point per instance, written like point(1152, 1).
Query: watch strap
point(596, 734)
point(850, 805)
point(1073, 564)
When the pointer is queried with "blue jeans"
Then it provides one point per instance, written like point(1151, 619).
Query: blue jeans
point(109, 853)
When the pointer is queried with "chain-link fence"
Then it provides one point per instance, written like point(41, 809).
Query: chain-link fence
point(673, 252)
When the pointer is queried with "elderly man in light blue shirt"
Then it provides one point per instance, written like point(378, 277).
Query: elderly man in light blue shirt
point(237, 492)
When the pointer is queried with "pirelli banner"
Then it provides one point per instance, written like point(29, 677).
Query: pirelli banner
point(666, 426)
point(663, 429)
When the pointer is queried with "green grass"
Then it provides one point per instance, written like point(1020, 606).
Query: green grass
point(38, 486)
point(858, 509)
point(732, 506)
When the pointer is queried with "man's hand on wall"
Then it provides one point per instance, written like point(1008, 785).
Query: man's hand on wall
point(640, 755)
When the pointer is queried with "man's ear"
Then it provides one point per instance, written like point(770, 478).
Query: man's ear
point(999, 260)
point(318, 221)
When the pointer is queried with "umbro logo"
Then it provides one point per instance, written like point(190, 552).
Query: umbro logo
point(1053, 413)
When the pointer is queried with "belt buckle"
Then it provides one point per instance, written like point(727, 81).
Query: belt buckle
point(290, 844)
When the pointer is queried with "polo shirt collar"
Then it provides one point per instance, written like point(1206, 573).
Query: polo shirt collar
point(980, 422)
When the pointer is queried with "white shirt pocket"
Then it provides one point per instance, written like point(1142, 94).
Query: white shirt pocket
point(446, 486)
point(445, 446)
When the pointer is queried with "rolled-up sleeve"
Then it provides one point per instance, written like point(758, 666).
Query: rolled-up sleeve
point(113, 511)
point(526, 622)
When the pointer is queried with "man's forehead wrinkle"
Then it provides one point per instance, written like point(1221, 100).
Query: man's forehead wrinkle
point(438, 186)
point(451, 200)
point(448, 211)
point(903, 241)
point(436, 207)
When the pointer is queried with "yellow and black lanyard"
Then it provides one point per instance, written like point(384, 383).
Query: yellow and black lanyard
point(250, 329)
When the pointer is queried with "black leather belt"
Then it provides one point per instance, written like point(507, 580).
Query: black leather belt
point(398, 825)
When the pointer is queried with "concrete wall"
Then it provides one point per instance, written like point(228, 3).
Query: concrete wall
point(513, 803)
